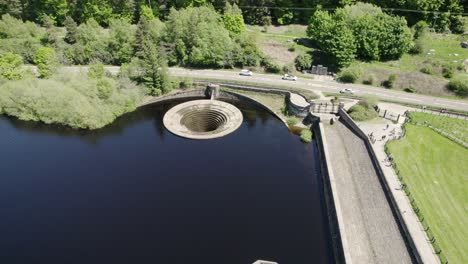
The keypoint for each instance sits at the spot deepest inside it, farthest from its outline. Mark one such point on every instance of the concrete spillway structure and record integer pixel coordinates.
(203, 119)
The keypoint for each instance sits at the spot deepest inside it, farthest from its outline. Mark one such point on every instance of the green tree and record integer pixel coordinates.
(395, 37)
(320, 23)
(46, 61)
(340, 45)
(147, 13)
(11, 66)
(197, 37)
(233, 20)
(121, 41)
(72, 30)
(303, 62)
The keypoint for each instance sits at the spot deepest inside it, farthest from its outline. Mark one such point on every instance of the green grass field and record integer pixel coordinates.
(436, 172)
(456, 127)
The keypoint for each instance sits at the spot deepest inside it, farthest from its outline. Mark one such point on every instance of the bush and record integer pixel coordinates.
(361, 113)
(417, 47)
(73, 100)
(11, 66)
(46, 61)
(410, 89)
(292, 120)
(391, 81)
(271, 67)
(349, 75)
(369, 101)
(96, 71)
(288, 68)
(448, 70)
(306, 136)
(370, 79)
(292, 48)
(426, 69)
(303, 62)
(420, 29)
(459, 85)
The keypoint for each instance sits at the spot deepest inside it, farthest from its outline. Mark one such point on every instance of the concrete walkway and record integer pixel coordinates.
(370, 230)
(379, 129)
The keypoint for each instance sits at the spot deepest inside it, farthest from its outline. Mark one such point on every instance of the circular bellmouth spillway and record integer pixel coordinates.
(203, 119)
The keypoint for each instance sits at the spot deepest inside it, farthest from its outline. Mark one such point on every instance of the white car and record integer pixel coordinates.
(347, 91)
(289, 77)
(245, 73)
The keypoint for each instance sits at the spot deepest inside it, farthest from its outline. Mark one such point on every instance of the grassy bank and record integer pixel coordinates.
(434, 168)
(275, 102)
(454, 126)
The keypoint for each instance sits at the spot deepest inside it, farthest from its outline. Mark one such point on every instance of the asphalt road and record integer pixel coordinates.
(311, 84)
(327, 86)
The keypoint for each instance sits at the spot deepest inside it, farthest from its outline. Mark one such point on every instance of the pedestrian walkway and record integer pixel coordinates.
(390, 130)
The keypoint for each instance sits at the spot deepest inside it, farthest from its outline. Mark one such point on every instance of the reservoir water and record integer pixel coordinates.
(134, 193)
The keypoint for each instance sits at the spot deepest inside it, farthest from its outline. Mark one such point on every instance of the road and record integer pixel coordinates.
(310, 84)
(327, 86)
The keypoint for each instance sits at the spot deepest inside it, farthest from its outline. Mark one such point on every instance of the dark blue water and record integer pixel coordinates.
(134, 193)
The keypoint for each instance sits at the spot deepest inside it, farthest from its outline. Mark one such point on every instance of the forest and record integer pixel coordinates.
(443, 15)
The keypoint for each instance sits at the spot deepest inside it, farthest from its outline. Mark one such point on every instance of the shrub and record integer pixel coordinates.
(272, 67)
(46, 61)
(303, 62)
(105, 88)
(459, 85)
(349, 75)
(288, 68)
(96, 71)
(369, 80)
(11, 66)
(391, 81)
(306, 136)
(448, 70)
(420, 29)
(361, 113)
(426, 69)
(410, 89)
(292, 48)
(417, 47)
(292, 120)
(369, 101)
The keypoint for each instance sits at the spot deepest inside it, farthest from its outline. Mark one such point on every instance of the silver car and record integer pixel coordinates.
(245, 73)
(289, 77)
(347, 91)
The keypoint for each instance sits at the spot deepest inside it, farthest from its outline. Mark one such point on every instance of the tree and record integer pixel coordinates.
(121, 41)
(197, 37)
(72, 30)
(395, 37)
(46, 61)
(233, 20)
(303, 62)
(340, 45)
(11, 66)
(146, 12)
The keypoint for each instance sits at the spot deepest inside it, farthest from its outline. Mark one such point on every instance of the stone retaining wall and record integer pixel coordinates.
(332, 201)
(393, 205)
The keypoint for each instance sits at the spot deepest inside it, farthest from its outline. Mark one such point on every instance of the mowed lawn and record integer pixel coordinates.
(436, 172)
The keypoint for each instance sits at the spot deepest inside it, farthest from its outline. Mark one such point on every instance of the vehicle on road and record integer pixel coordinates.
(347, 91)
(289, 77)
(245, 73)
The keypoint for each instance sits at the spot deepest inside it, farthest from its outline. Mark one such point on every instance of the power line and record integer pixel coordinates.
(330, 9)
